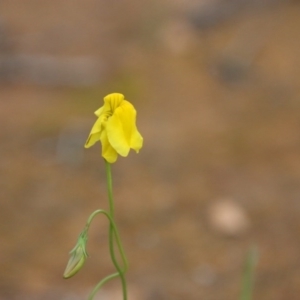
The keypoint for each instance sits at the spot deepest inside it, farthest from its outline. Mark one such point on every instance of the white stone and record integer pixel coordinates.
(228, 217)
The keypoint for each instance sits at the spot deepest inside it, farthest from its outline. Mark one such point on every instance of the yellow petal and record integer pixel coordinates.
(94, 134)
(114, 100)
(118, 129)
(136, 140)
(130, 129)
(129, 136)
(108, 152)
(99, 111)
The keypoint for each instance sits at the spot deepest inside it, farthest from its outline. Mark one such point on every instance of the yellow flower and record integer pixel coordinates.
(115, 128)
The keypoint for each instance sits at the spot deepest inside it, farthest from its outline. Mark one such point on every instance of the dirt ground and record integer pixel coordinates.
(218, 107)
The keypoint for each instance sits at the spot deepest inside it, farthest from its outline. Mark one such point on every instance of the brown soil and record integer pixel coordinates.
(220, 119)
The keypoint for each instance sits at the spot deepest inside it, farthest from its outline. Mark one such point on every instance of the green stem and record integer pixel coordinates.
(111, 231)
(248, 276)
(117, 236)
(101, 283)
(109, 189)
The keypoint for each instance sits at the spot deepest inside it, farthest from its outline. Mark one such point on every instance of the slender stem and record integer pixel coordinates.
(101, 283)
(248, 276)
(111, 231)
(117, 236)
(109, 189)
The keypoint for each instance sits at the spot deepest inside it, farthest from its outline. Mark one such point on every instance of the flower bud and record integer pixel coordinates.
(77, 259)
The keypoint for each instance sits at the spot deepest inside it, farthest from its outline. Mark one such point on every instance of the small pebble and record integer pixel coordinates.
(228, 218)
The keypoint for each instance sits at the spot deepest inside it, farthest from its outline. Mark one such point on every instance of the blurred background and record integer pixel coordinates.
(216, 86)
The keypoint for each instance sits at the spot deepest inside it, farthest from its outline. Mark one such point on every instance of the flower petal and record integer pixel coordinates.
(94, 134)
(99, 111)
(114, 100)
(117, 131)
(126, 114)
(136, 140)
(108, 152)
